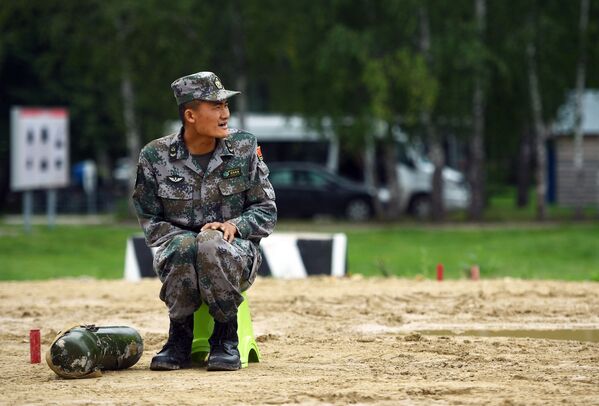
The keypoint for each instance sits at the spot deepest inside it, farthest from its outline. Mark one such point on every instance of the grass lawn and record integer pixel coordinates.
(552, 252)
(95, 251)
(569, 252)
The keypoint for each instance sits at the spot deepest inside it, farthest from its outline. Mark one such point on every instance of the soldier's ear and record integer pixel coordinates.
(189, 116)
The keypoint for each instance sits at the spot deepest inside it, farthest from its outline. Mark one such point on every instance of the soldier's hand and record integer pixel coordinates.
(229, 230)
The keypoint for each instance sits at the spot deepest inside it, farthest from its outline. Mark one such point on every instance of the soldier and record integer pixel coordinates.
(203, 197)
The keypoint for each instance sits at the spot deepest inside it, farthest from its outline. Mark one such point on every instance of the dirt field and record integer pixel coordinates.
(324, 341)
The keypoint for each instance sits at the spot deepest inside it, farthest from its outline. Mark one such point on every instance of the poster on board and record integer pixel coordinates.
(39, 148)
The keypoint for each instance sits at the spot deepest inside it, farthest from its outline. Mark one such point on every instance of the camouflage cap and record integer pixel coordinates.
(200, 86)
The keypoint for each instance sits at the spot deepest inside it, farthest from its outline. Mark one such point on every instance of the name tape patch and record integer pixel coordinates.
(231, 173)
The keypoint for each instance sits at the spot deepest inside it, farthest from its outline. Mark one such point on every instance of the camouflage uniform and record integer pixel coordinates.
(174, 198)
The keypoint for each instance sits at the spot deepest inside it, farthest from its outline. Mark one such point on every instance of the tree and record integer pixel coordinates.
(550, 64)
(539, 124)
(400, 86)
(510, 117)
(578, 112)
(362, 65)
(360, 70)
(477, 143)
(438, 158)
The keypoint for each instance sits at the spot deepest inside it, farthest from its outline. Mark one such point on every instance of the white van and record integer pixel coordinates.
(415, 173)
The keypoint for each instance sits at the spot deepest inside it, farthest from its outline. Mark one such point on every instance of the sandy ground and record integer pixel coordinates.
(324, 341)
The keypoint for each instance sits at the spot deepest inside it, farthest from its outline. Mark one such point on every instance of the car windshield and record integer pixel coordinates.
(311, 178)
(282, 177)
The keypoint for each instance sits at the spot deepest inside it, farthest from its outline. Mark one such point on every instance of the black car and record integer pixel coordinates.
(306, 189)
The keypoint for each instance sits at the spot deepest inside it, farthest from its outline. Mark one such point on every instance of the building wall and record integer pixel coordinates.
(568, 193)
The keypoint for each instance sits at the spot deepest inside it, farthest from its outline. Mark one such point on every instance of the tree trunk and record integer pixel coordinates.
(437, 157)
(131, 127)
(540, 131)
(370, 174)
(238, 46)
(132, 135)
(437, 205)
(578, 112)
(390, 164)
(4, 177)
(477, 143)
(523, 168)
(104, 165)
(241, 99)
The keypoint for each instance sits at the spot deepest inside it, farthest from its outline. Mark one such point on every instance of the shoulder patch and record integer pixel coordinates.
(259, 153)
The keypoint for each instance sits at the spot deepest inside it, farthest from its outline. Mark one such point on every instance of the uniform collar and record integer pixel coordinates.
(177, 149)
(224, 149)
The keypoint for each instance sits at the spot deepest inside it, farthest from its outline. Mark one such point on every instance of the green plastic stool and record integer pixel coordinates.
(204, 324)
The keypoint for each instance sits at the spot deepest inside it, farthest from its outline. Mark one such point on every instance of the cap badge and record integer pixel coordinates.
(217, 83)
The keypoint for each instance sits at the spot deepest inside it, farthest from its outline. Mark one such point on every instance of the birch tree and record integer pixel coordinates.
(477, 144)
(437, 156)
(539, 124)
(578, 111)
(128, 94)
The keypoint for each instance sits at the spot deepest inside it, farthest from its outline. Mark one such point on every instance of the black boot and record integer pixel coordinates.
(224, 355)
(176, 353)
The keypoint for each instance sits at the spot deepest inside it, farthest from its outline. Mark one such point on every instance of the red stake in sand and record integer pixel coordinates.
(34, 346)
(475, 273)
(440, 272)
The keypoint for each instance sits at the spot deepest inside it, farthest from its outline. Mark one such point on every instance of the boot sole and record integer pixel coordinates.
(223, 367)
(167, 366)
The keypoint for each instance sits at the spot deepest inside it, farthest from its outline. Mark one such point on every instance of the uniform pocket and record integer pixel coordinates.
(177, 201)
(233, 194)
(233, 186)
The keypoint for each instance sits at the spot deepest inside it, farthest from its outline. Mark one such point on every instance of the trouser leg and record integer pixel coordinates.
(175, 266)
(221, 267)
(204, 268)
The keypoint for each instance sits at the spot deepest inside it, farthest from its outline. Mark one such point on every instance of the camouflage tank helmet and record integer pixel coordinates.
(84, 351)
(200, 86)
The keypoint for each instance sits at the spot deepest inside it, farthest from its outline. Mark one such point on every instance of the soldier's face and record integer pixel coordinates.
(210, 119)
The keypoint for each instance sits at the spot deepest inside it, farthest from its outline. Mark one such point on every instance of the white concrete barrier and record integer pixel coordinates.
(284, 255)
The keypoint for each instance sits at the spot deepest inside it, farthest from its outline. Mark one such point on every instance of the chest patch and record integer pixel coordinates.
(175, 179)
(231, 173)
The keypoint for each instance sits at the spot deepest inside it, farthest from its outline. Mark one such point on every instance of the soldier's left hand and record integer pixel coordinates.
(229, 230)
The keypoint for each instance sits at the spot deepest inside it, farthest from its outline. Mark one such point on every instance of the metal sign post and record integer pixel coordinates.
(51, 207)
(27, 210)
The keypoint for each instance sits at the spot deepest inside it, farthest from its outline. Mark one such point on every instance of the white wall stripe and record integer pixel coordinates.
(132, 271)
(283, 256)
(339, 254)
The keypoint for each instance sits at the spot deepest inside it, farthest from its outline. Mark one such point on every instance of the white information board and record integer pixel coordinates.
(39, 148)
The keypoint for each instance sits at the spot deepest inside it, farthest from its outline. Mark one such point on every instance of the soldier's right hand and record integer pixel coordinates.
(229, 230)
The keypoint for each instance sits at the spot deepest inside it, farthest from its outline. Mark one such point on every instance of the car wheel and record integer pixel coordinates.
(421, 206)
(358, 210)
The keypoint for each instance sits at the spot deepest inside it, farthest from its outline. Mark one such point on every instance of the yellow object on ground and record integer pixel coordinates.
(204, 324)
